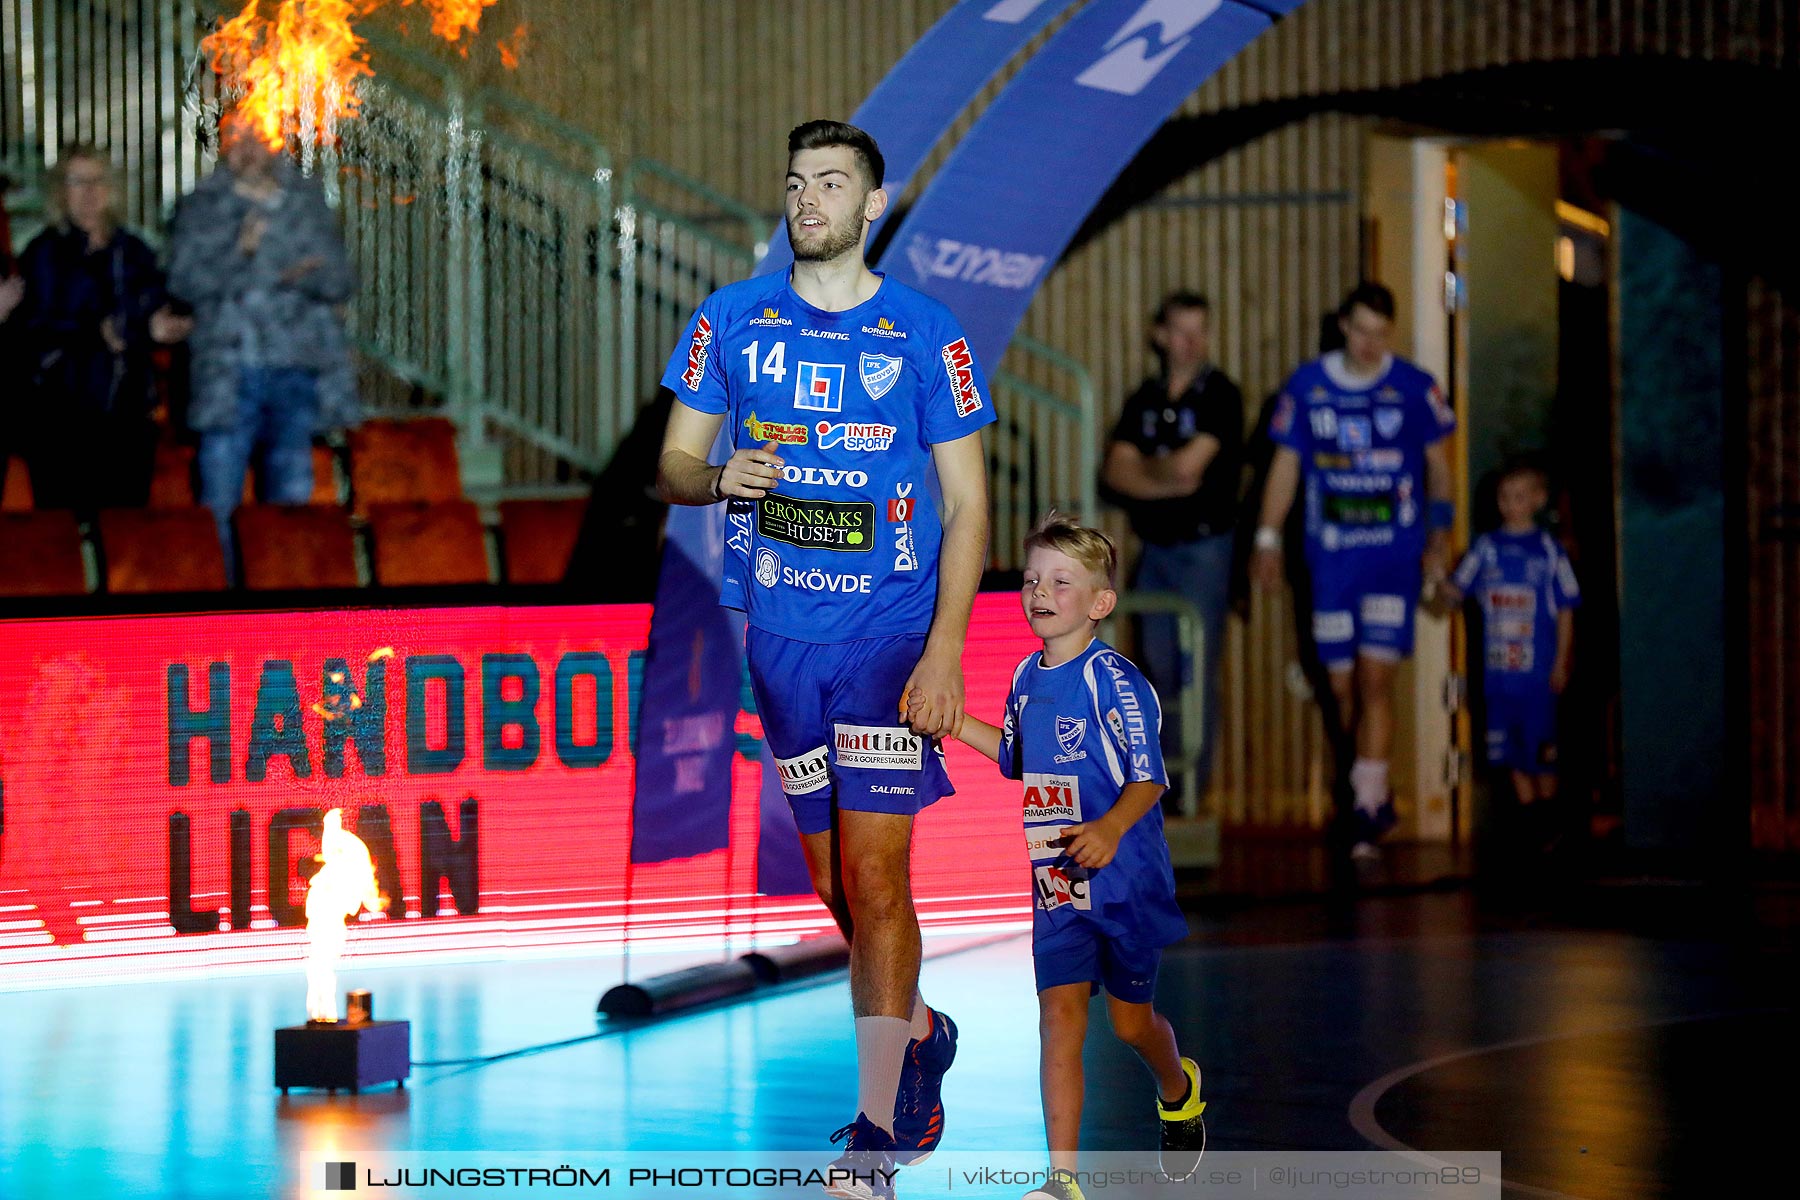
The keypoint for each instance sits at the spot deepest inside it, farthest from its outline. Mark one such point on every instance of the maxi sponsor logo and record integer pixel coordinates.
(1051, 798)
(943, 258)
(843, 526)
(775, 431)
(854, 436)
(696, 364)
(900, 511)
(878, 747)
(959, 365)
(803, 773)
(1143, 46)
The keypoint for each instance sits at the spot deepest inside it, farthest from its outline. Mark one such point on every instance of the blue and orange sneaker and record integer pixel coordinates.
(919, 1105)
(865, 1170)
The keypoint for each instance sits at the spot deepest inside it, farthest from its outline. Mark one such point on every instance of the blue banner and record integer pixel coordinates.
(993, 222)
(911, 108)
(689, 705)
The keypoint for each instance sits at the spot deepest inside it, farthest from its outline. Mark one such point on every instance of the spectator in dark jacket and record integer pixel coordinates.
(94, 302)
(257, 253)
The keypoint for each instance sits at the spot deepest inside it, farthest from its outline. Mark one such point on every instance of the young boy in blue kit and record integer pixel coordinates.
(1527, 592)
(1081, 732)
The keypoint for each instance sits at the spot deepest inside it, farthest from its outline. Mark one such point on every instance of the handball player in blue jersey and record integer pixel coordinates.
(1081, 731)
(1526, 588)
(856, 531)
(1362, 435)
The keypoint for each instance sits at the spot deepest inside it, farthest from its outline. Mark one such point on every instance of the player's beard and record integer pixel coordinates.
(831, 242)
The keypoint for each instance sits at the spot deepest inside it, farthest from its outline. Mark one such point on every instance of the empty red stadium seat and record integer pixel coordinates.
(15, 496)
(172, 476)
(161, 550)
(396, 461)
(428, 543)
(538, 536)
(40, 554)
(296, 546)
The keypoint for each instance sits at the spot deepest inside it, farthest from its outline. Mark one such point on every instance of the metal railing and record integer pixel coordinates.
(514, 277)
(1044, 452)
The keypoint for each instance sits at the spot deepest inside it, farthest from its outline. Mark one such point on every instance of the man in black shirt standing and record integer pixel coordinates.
(1173, 463)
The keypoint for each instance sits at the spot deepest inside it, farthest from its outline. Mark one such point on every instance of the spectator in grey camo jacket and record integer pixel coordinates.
(258, 254)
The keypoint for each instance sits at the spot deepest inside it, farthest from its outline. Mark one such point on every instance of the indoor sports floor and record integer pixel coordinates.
(1602, 1058)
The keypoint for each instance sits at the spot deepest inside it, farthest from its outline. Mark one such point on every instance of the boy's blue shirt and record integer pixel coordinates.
(1076, 734)
(1521, 581)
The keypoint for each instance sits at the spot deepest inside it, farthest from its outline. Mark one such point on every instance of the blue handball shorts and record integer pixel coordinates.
(1363, 603)
(1521, 728)
(830, 712)
(1079, 951)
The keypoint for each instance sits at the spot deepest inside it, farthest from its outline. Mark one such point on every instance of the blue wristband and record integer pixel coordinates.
(1443, 514)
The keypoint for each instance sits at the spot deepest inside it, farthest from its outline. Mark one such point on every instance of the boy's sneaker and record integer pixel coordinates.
(865, 1170)
(919, 1104)
(1060, 1186)
(1367, 829)
(1183, 1132)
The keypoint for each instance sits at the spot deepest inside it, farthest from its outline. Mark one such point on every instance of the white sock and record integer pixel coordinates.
(1369, 780)
(880, 1051)
(921, 1022)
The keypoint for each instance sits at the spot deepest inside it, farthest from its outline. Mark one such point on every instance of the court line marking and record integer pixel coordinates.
(1362, 1105)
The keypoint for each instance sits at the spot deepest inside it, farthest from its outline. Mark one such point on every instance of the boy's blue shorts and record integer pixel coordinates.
(1079, 951)
(1521, 729)
(830, 712)
(1363, 602)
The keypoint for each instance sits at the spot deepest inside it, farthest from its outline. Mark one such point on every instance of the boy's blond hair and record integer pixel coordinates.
(1089, 547)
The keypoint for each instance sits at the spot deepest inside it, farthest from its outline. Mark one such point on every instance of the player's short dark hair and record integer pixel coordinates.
(1524, 465)
(817, 135)
(1370, 295)
(1178, 300)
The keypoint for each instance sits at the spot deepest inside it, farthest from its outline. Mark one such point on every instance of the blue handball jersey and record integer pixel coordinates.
(1362, 452)
(847, 546)
(1522, 581)
(1076, 734)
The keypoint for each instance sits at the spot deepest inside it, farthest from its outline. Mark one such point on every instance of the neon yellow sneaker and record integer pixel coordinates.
(1183, 1130)
(1060, 1186)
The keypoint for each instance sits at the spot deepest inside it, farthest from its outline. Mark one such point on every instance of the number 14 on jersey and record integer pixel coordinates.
(774, 365)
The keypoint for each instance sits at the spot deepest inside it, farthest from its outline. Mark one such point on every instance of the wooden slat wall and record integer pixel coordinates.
(1270, 230)
(1773, 511)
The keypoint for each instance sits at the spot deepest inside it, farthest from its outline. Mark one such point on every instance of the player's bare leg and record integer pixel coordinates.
(875, 852)
(1374, 739)
(1149, 1033)
(1062, 1028)
(826, 868)
(1375, 707)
